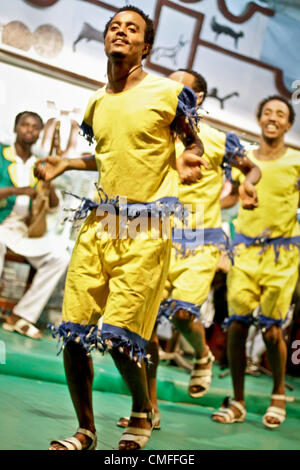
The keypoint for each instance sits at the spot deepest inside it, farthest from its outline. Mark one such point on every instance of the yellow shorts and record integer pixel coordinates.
(120, 280)
(189, 278)
(257, 279)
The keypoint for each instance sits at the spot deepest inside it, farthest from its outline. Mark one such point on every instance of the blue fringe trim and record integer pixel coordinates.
(265, 323)
(246, 319)
(86, 335)
(121, 339)
(261, 321)
(109, 337)
(185, 241)
(169, 307)
(87, 132)
(265, 241)
(81, 212)
(233, 147)
(163, 207)
(186, 106)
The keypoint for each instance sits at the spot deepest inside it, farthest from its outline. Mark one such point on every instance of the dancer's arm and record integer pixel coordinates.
(247, 167)
(247, 190)
(190, 161)
(49, 168)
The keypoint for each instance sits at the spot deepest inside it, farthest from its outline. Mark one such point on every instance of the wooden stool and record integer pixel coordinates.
(7, 304)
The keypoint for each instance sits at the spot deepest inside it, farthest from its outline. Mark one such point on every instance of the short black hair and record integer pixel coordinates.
(200, 83)
(29, 113)
(149, 32)
(260, 106)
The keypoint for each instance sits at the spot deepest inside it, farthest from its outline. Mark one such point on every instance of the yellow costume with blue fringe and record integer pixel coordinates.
(266, 254)
(197, 249)
(121, 278)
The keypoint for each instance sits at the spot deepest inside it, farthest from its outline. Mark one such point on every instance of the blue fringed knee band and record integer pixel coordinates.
(109, 337)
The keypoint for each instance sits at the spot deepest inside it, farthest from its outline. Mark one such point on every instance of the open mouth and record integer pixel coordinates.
(271, 127)
(120, 42)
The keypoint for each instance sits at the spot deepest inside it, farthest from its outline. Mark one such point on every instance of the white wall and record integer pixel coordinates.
(20, 88)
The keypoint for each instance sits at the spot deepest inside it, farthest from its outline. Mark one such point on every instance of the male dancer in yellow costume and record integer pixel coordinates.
(266, 259)
(121, 279)
(196, 254)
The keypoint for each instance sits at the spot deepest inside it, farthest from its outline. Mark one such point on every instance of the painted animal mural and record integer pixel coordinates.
(223, 29)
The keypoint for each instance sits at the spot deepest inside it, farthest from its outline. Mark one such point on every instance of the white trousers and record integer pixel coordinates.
(50, 268)
(255, 345)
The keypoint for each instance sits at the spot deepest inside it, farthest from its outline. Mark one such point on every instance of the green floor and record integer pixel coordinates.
(35, 406)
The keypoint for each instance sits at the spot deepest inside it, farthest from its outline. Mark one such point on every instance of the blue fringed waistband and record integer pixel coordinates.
(265, 242)
(187, 240)
(163, 207)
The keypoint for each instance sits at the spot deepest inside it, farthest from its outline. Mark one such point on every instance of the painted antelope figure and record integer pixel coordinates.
(223, 29)
(170, 52)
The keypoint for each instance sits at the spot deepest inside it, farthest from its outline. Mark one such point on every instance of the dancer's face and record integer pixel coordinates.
(274, 119)
(125, 37)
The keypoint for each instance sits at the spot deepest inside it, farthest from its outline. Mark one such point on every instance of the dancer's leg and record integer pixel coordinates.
(236, 352)
(277, 357)
(136, 380)
(194, 332)
(151, 370)
(79, 374)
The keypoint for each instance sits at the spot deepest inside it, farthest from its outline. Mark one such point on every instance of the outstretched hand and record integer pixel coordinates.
(248, 195)
(189, 167)
(49, 168)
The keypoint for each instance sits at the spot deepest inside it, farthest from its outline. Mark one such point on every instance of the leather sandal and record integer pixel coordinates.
(201, 377)
(227, 414)
(140, 436)
(31, 331)
(72, 443)
(276, 412)
(123, 422)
